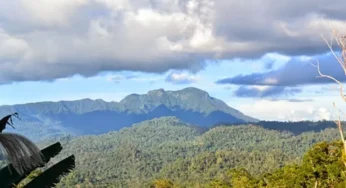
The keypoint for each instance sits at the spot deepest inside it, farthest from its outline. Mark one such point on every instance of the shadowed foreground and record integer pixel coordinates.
(24, 158)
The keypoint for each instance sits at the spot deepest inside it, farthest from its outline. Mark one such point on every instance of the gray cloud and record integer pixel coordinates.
(295, 72)
(264, 92)
(45, 41)
(290, 28)
(293, 100)
(118, 77)
(269, 64)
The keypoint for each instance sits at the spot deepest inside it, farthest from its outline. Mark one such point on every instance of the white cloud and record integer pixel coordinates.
(260, 88)
(116, 4)
(49, 13)
(11, 46)
(319, 109)
(136, 78)
(116, 78)
(68, 37)
(271, 81)
(182, 78)
(322, 113)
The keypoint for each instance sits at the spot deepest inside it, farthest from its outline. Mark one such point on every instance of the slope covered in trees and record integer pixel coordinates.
(168, 150)
(296, 127)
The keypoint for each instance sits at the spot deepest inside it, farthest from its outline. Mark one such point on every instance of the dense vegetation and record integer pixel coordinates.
(166, 151)
(296, 127)
(322, 166)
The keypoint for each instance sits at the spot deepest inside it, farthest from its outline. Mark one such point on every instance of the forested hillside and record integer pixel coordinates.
(168, 150)
(296, 127)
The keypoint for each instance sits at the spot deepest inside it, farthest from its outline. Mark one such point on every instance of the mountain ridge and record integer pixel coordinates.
(150, 96)
(87, 116)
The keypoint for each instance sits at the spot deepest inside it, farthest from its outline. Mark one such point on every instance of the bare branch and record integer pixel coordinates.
(340, 40)
(338, 123)
(336, 57)
(330, 77)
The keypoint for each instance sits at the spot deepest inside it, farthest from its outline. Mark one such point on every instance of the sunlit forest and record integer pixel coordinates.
(166, 152)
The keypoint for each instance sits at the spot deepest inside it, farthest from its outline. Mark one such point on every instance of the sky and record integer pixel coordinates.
(254, 55)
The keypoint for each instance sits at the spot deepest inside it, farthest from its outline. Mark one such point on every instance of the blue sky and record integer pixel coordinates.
(258, 63)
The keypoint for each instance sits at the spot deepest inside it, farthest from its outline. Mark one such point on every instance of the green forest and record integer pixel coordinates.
(166, 152)
(172, 94)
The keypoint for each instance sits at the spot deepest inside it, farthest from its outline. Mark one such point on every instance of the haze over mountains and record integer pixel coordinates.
(86, 116)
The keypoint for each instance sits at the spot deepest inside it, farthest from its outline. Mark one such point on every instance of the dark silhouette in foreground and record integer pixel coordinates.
(24, 157)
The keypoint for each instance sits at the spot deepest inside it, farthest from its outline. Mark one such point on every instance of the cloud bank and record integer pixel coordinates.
(296, 72)
(54, 39)
(265, 91)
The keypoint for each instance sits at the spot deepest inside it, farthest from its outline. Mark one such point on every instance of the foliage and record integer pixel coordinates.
(162, 183)
(167, 149)
(321, 165)
(24, 159)
(295, 127)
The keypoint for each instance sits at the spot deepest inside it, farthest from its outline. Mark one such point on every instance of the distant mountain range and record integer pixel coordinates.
(86, 116)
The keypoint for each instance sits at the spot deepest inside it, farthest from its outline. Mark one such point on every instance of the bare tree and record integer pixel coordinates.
(341, 59)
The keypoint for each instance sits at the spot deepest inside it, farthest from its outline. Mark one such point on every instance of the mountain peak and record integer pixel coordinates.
(86, 116)
(156, 92)
(194, 90)
(191, 93)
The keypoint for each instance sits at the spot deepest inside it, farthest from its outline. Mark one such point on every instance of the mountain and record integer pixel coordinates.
(86, 116)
